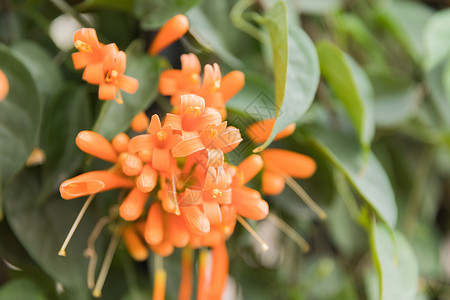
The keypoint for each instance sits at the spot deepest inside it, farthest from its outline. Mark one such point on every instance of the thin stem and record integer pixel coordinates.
(346, 194)
(66, 8)
(90, 250)
(62, 251)
(236, 16)
(304, 196)
(97, 292)
(289, 231)
(250, 230)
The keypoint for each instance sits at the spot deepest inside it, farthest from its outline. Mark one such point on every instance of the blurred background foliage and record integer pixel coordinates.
(378, 128)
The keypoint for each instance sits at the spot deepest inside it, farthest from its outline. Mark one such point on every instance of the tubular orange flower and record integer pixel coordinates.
(260, 131)
(110, 78)
(120, 142)
(272, 183)
(231, 84)
(160, 140)
(140, 122)
(133, 205)
(134, 244)
(147, 179)
(291, 163)
(195, 219)
(92, 183)
(177, 233)
(174, 29)
(4, 86)
(185, 290)
(94, 144)
(219, 272)
(154, 227)
(165, 248)
(132, 165)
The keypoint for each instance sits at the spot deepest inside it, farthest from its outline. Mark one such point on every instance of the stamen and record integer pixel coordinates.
(289, 231)
(304, 196)
(97, 292)
(212, 132)
(62, 251)
(216, 193)
(119, 98)
(174, 191)
(196, 110)
(82, 46)
(161, 135)
(90, 250)
(250, 230)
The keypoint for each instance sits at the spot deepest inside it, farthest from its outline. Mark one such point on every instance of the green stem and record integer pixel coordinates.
(66, 8)
(346, 194)
(236, 16)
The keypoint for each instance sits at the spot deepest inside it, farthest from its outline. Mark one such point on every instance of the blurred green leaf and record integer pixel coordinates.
(371, 182)
(203, 27)
(20, 117)
(120, 5)
(436, 38)
(154, 14)
(351, 86)
(21, 289)
(66, 114)
(319, 7)
(42, 228)
(396, 264)
(441, 101)
(406, 20)
(39, 63)
(115, 118)
(296, 70)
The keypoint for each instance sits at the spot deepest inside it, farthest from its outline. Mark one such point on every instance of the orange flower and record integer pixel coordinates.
(140, 122)
(4, 86)
(278, 163)
(110, 78)
(174, 29)
(134, 244)
(160, 141)
(260, 131)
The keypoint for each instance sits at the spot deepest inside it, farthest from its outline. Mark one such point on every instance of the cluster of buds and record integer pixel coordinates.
(180, 192)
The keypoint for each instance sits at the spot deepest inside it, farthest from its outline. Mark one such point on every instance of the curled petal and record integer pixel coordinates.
(87, 36)
(107, 91)
(94, 144)
(187, 147)
(132, 165)
(174, 121)
(146, 181)
(139, 143)
(249, 204)
(190, 102)
(133, 205)
(229, 140)
(209, 116)
(191, 197)
(195, 220)
(272, 183)
(291, 163)
(212, 212)
(94, 73)
(91, 183)
(127, 84)
(134, 244)
(154, 227)
(249, 167)
(174, 29)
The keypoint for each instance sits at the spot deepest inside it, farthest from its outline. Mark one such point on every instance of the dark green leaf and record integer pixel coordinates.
(154, 14)
(351, 86)
(396, 264)
(115, 118)
(437, 39)
(296, 70)
(21, 289)
(42, 229)
(120, 5)
(20, 117)
(66, 114)
(40, 65)
(372, 182)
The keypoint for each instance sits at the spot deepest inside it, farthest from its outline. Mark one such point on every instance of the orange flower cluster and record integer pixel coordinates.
(177, 168)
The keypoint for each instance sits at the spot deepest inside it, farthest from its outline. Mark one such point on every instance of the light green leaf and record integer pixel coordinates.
(351, 86)
(372, 182)
(20, 289)
(436, 81)
(406, 20)
(66, 114)
(206, 32)
(115, 118)
(20, 117)
(42, 228)
(296, 70)
(319, 7)
(39, 63)
(154, 14)
(396, 264)
(436, 38)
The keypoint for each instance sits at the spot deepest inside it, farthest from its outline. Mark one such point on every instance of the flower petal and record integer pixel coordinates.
(249, 204)
(187, 147)
(95, 144)
(133, 205)
(293, 164)
(139, 143)
(195, 220)
(171, 31)
(272, 183)
(249, 167)
(177, 233)
(127, 84)
(146, 181)
(154, 227)
(231, 84)
(107, 92)
(161, 159)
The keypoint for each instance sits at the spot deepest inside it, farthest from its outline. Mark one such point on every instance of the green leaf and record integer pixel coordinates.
(115, 118)
(20, 117)
(66, 114)
(206, 32)
(436, 81)
(154, 14)
(436, 38)
(120, 5)
(406, 20)
(351, 86)
(40, 65)
(396, 264)
(20, 289)
(42, 229)
(372, 182)
(296, 70)
(319, 7)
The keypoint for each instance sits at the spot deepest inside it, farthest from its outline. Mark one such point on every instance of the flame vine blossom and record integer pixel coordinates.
(177, 189)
